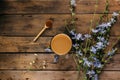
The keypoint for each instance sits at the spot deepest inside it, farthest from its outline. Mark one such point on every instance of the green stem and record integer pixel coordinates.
(112, 47)
(105, 13)
(93, 19)
(78, 66)
(86, 45)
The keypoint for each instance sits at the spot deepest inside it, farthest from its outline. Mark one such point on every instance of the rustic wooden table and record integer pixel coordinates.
(20, 22)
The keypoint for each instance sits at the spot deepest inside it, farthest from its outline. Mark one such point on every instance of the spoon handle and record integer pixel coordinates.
(34, 40)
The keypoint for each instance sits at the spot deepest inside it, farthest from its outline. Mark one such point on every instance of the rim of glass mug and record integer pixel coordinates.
(61, 48)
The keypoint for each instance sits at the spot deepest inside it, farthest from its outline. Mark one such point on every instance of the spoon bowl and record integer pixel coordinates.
(48, 24)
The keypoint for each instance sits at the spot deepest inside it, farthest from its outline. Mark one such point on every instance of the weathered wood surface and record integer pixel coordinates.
(24, 44)
(30, 25)
(20, 22)
(53, 75)
(54, 6)
(22, 62)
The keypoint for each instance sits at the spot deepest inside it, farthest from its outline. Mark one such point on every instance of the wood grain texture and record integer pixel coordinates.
(54, 6)
(22, 62)
(30, 25)
(38, 75)
(24, 44)
(21, 21)
(52, 75)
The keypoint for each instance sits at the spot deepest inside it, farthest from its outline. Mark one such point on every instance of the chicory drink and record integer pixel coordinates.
(61, 44)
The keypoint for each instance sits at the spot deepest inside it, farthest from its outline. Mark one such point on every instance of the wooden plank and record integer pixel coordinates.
(16, 25)
(110, 75)
(24, 44)
(53, 75)
(33, 6)
(22, 62)
(54, 6)
(38, 75)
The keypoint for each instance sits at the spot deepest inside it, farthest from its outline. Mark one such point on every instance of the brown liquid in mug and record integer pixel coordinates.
(61, 44)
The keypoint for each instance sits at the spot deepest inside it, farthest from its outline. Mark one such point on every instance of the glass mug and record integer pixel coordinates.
(61, 44)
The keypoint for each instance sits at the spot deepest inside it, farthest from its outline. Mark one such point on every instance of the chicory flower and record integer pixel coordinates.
(79, 52)
(91, 73)
(48, 50)
(93, 49)
(79, 36)
(100, 45)
(73, 2)
(86, 62)
(87, 36)
(110, 53)
(112, 20)
(75, 45)
(97, 64)
(95, 31)
(101, 39)
(72, 32)
(115, 14)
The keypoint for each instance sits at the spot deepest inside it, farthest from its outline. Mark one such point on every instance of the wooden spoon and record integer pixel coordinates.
(48, 24)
